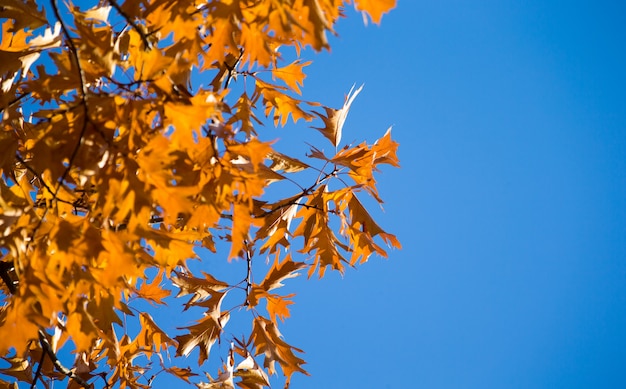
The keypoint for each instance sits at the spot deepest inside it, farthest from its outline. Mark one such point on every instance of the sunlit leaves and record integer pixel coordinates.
(151, 336)
(153, 291)
(280, 104)
(132, 138)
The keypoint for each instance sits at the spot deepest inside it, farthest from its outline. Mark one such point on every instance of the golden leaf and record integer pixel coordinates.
(286, 163)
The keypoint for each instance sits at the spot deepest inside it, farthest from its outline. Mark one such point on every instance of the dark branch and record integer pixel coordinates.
(47, 348)
(249, 274)
(135, 26)
(14, 101)
(6, 269)
(40, 179)
(38, 372)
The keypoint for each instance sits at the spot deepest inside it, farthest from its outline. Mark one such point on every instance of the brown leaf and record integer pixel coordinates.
(334, 119)
(251, 374)
(182, 373)
(281, 271)
(199, 287)
(268, 341)
(25, 13)
(285, 163)
(206, 331)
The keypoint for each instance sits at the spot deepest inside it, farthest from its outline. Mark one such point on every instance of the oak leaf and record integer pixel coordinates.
(268, 341)
(151, 337)
(153, 291)
(334, 119)
(292, 74)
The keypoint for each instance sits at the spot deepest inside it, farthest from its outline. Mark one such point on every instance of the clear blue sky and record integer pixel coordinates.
(510, 204)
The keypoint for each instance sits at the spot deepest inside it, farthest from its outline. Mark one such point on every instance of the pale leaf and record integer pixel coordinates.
(335, 118)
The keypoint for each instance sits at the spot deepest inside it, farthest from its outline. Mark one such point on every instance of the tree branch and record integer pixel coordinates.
(135, 26)
(47, 348)
(38, 372)
(249, 273)
(40, 179)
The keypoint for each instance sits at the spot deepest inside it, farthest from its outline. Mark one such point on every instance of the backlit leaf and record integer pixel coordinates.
(334, 119)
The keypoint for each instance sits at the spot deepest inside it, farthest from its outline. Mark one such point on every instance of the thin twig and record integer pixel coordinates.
(15, 100)
(45, 345)
(135, 26)
(231, 69)
(40, 179)
(249, 273)
(38, 372)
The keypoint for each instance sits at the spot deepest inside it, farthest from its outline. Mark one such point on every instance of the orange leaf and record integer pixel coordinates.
(153, 291)
(281, 104)
(375, 8)
(292, 74)
(151, 336)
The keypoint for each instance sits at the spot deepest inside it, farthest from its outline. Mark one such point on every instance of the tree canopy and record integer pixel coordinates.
(132, 142)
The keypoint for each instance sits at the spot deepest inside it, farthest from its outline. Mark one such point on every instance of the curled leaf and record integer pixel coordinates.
(334, 119)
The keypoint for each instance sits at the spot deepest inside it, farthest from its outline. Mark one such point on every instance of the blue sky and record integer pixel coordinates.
(510, 203)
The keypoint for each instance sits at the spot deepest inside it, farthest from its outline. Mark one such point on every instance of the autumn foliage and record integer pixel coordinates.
(132, 140)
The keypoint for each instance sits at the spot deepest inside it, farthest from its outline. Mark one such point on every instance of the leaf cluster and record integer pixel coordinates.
(118, 166)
